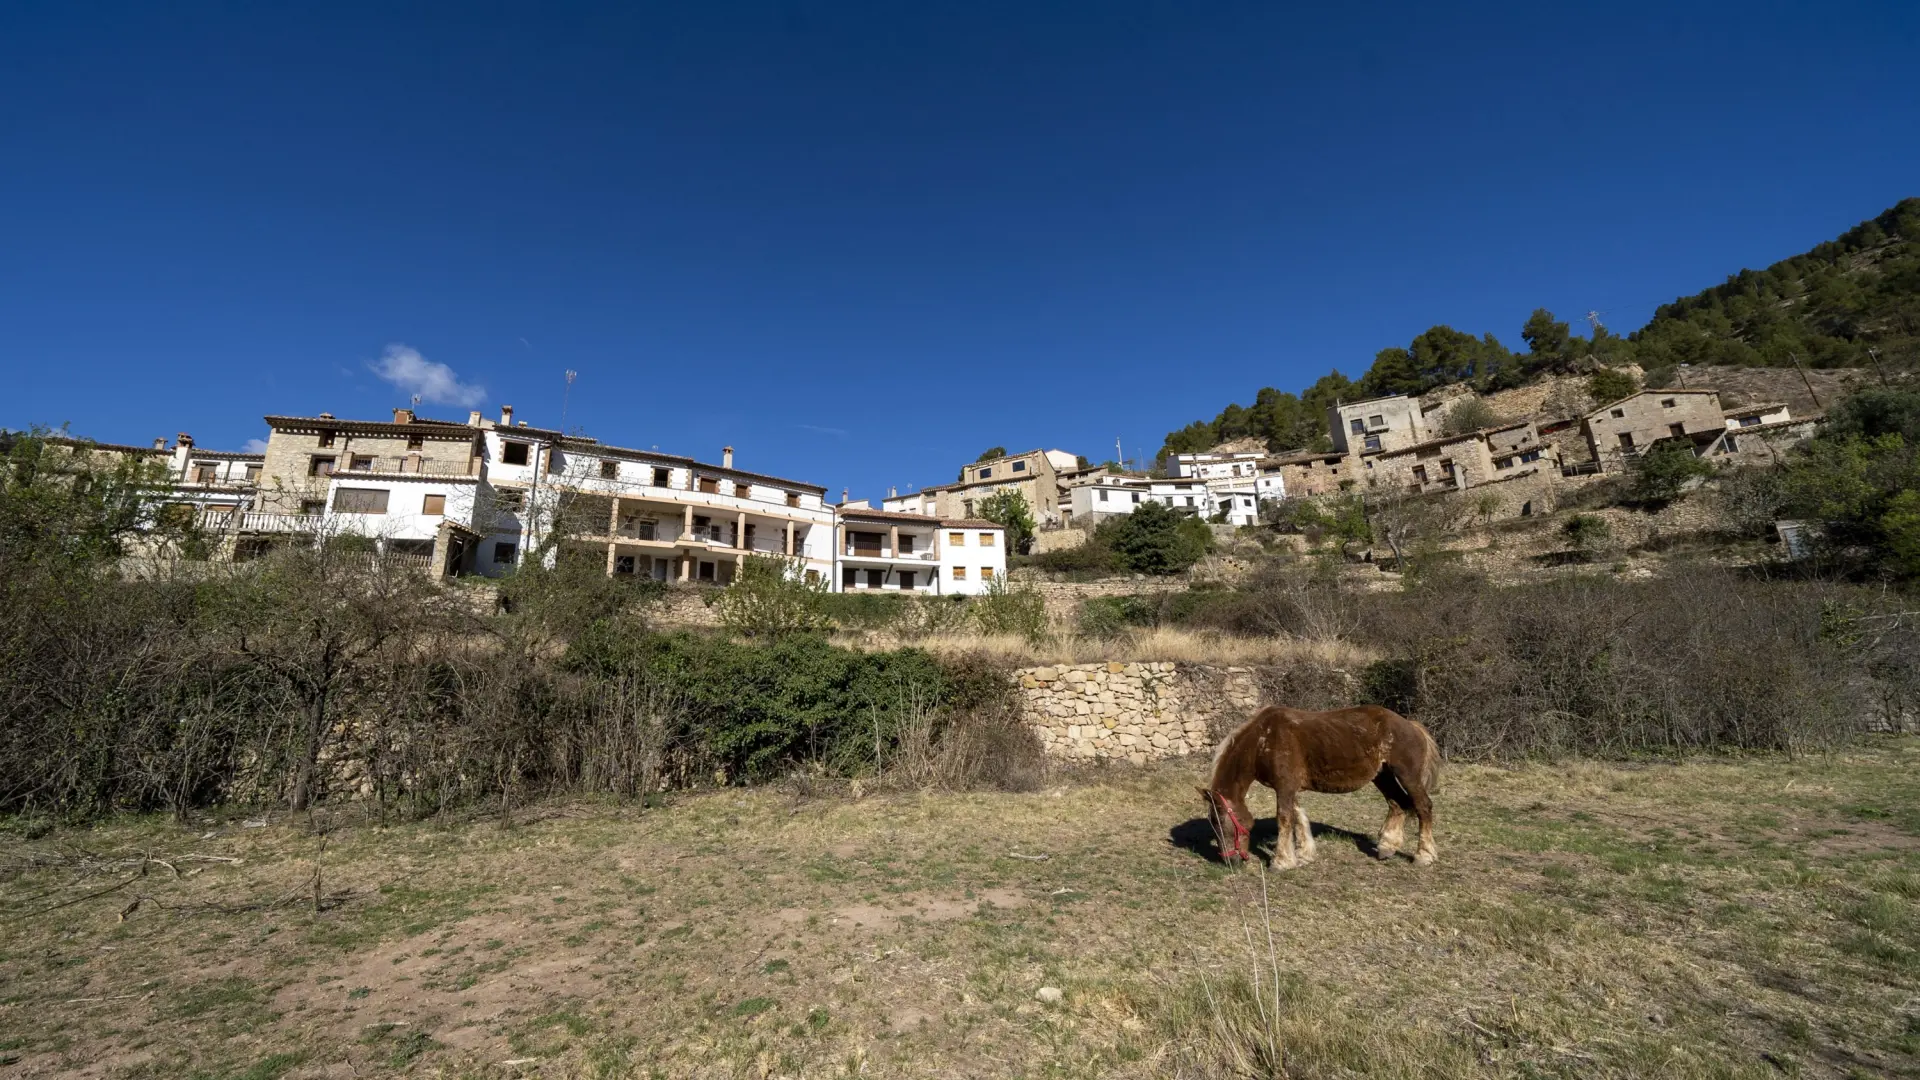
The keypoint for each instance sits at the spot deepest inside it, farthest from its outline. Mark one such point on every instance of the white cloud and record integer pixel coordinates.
(254, 446)
(404, 367)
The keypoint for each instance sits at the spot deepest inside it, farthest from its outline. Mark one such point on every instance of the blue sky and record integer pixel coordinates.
(862, 243)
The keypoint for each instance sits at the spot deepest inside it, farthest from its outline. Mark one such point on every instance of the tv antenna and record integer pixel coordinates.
(565, 395)
(1594, 318)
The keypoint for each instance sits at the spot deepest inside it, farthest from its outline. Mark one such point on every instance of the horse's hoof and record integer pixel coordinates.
(1385, 853)
(1424, 858)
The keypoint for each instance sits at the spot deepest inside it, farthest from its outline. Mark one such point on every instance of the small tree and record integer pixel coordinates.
(1663, 471)
(772, 598)
(1155, 540)
(1609, 384)
(1008, 509)
(1006, 608)
(1587, 533)
(1486, 504)
(1470, 415)
(993, 453)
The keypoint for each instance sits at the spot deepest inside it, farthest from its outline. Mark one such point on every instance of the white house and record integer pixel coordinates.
(919, 553)
(1766, 412)
(1212, 466)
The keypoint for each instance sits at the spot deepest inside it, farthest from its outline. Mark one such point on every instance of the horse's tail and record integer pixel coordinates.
(1430, 771)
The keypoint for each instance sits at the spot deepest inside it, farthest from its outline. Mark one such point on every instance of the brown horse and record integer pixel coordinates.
(1337, 751)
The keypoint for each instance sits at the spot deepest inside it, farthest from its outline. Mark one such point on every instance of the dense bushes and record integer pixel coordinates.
(1151, 540)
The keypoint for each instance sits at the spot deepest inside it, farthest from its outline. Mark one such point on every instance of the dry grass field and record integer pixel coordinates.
(1732, 918)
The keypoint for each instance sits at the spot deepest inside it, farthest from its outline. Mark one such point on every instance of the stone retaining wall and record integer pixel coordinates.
(1136, 712)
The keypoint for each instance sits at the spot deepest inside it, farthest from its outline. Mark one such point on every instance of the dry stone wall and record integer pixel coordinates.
(1136, 712)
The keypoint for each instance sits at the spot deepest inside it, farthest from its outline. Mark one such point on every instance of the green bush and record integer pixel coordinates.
(1660, 474)
(1091, 559)
(1607, 384)
(771, 598)
(1587, 533)
(1155, 540)
(1006, 608)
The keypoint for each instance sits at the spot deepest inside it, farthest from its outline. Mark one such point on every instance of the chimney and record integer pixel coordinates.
(726, 457)
(185, 440)
(893, 492)
(326, 416)
(506, 416)
(403, 416)
(160, 444)
(523, 423)
(473, 418)
(843, 495)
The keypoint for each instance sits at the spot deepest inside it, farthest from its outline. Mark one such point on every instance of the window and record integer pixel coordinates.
(610, 470)
(362, 464)
(504, 553)
(709, 485)
(906, 579)
(415, 442)
(1749, 421)
(1626, 440)
(325, 439)
(1376, 421)
(662, 477)
(1733, 444)
(320, 466)
(849, 577)
(966, 508)
(509, 500)
(813, 577)
(623, 564)
(434, 505)
(876, 579)
(706, 572)
(793, 498)
(348, 500)
(1678, 431)
(742, 490)
(513, 453)
(1668, 403)
(1103, 495)
(986, 573)
(984, 473)
(204, 473)
(1419, 474)
(1618, 412)
(1373, 442)
(957, 539)
(1189, 500)
(313, 507)
(1136, 498)
(986, 539)
(1358, 426)
(1504, 463)
(1019, 466)
(959, 573)
(1531, 455)
(253, 474)
(906, 544)
(864, 543)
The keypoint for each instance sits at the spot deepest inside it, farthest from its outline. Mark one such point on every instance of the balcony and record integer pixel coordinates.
(259, 521)
(853, 552)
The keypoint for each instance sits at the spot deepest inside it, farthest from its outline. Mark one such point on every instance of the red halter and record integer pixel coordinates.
(1240, 848)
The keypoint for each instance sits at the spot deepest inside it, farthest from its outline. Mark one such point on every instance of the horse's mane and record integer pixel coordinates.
(1213, 776)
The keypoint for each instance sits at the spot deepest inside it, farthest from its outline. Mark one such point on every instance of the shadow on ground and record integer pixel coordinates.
(1196, 835)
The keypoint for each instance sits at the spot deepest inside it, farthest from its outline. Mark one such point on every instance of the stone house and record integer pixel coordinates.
(1311, 472)
(1035, 475)
(1619, 431)
(1385, 423)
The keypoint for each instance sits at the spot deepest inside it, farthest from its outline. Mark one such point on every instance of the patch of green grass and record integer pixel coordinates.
(753, 1006)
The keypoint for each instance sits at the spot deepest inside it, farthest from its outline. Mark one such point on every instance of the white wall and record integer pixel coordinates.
(405, 518)
(973, 556)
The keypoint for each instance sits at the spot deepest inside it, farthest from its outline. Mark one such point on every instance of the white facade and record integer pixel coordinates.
(888, 551)
(402, 511)
(1756, 415)
(1241, 497)
(1387, 423)
(1211, 466)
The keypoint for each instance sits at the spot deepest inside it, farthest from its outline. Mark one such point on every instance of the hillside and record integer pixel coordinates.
(1827, 307)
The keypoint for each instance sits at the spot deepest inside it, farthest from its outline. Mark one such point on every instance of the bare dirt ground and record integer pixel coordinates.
(1711, 918)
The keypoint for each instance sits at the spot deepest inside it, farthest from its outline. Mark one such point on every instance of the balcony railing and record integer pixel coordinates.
(259, 521)
(888, 553)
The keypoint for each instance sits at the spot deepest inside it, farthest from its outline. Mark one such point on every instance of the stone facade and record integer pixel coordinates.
(1136, 712)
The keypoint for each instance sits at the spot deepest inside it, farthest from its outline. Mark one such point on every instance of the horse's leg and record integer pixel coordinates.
(1398, 803)
(1423, 807)
(1285, 811)
(1303, 834)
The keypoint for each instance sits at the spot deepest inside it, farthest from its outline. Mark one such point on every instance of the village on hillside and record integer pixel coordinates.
(475, 498)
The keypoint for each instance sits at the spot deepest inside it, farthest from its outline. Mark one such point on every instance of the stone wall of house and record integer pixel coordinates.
(1136, 712)
(1058, 540)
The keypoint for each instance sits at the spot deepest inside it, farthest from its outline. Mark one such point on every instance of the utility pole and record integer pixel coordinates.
(1808, 381)
(564, 396)
(1875, 354)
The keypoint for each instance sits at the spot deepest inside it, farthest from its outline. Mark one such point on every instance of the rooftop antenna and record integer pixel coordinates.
(565, 395)
(416, 401)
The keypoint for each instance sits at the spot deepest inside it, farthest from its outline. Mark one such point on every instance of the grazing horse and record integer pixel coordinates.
(1337, 751)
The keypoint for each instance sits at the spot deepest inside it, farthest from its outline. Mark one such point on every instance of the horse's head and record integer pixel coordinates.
(1232, 833)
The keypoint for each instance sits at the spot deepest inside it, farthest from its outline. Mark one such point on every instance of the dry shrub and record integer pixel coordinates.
(1699, 659)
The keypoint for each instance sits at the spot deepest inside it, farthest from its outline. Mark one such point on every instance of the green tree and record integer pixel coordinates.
(1607, 384)
(1155, 540)
(1393, 372)
(1660, 474)
(1587, 533)
(1470, 415)
(1008, 509)
(1546, 337)
(994, 453)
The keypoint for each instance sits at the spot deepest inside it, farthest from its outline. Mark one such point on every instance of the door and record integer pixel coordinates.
(876, 579)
